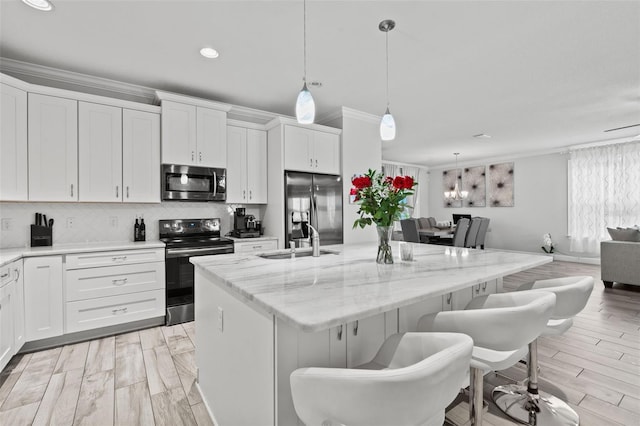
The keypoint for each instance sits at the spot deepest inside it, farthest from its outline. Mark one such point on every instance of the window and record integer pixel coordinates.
(604, 192)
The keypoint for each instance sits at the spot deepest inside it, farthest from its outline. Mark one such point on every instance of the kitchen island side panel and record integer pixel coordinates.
(235, 356)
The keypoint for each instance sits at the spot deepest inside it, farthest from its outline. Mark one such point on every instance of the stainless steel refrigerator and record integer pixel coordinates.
(316, 200)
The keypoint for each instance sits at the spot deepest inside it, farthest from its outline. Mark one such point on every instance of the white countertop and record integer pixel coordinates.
(11, 254)
(316, 293)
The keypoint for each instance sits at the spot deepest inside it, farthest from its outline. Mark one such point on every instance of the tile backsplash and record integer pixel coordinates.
(105, 221)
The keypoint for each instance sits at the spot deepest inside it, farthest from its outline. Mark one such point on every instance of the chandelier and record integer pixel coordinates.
(456, 194)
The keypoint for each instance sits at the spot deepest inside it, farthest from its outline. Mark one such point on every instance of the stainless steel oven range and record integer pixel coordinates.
(185, 238)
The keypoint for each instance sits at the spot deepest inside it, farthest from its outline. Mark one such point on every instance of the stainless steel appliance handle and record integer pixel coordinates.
(198, 251)
(215, 183)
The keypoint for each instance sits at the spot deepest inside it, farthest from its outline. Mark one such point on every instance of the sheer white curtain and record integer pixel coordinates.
(604, 191)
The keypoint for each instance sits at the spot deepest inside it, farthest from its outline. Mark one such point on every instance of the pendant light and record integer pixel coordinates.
(387, 124)
(456, 194)
(305, 107)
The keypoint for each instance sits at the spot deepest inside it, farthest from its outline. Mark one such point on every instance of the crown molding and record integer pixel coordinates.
(349, 113)
(252, 115)
(245, 124)
(14, 82)
(279, 120)
(191, 100)
(72, 80)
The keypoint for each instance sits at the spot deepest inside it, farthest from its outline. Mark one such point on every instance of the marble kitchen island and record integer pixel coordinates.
(258, 319)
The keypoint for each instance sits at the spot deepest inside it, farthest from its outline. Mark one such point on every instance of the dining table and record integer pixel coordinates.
(436, 232)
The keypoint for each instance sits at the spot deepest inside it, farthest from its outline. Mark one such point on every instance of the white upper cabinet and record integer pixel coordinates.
(178, 133)
(193, 135)
(311, 150)
(246, 165)
(13, 144)
(211, 137)
(53, 148)
(99, 152)
(140, 156)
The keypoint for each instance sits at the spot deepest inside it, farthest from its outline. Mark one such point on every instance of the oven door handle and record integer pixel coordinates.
(201, 251)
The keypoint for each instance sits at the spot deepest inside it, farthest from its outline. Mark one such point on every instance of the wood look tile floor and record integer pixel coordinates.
(148, 377)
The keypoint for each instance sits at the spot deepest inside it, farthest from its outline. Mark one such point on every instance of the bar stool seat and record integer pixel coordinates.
(527, 404)
(410, 381)
(501, 325)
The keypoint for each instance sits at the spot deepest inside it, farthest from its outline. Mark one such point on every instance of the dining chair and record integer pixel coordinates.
(472, 233)
(460, 233)
(482, 232)
(410, 230)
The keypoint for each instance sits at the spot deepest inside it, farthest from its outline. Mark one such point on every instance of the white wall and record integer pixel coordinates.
(94, 221)
(540, 205)
(361, 151)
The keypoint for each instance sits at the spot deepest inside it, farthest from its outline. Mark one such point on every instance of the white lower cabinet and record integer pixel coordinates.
(105, 311)
(110, 288)
(7, 290)
(43, 297)
(246, 247)
(19, 337)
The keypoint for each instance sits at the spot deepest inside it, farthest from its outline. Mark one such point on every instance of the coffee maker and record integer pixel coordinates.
(245, 226)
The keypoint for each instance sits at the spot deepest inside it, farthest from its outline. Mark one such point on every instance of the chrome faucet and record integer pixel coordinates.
(315, 242)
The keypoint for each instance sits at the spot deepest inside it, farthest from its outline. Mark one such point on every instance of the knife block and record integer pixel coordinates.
(41, 236)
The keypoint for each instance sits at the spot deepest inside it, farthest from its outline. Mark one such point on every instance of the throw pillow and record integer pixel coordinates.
(622, 234)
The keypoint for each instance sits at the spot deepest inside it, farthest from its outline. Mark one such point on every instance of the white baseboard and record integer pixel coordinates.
(577, 259)
(206, 405)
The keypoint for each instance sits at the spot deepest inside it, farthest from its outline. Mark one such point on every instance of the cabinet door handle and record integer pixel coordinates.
(5, 275)
(72, 190)
(119, 258)
(316, 163)
(117, 192)
(17, 273)
(193, 156)
(478, 289)
(115, 311)
(200, 153)
(250, 194)
(244, 194)
(127, 191)
(120, 281)
(355, 328)
(310, 162)
(484, 286)
(339, 332)
(449, 298)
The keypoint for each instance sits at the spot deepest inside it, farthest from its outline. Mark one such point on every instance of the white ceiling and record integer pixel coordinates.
(535, 75)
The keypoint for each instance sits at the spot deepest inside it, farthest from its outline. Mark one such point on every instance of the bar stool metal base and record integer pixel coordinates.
(540, 410)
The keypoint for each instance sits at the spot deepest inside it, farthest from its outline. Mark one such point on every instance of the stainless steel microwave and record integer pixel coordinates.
(193, 183)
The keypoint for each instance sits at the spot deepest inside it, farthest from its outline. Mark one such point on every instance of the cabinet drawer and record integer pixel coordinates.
(109, 258)
(106, 311)
(114, 280)
(254, 246)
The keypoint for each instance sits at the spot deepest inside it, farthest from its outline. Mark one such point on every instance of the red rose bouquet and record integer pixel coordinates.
(381, 198)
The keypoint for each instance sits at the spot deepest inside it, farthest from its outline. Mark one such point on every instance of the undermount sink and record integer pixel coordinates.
(288, 255)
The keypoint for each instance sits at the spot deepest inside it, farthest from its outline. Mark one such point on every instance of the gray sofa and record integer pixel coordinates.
(620, 262)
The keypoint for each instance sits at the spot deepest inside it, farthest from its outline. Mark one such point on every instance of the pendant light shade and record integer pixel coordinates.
(387, 127)
(305, 106)
(387, 124)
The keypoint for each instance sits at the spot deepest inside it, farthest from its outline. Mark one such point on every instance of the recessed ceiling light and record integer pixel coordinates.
(44, 5)
(482, 136)
(209, 52)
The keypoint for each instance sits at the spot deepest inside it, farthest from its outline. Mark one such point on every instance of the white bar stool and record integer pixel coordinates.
(501, 325)
(527, 404)
(411, 380)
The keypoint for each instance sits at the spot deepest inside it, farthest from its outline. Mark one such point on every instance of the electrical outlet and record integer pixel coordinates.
(220, 319)
(71, 222)
(7, 224)
(113, 221)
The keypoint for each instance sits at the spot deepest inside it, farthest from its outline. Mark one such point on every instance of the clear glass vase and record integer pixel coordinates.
(384, 244)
